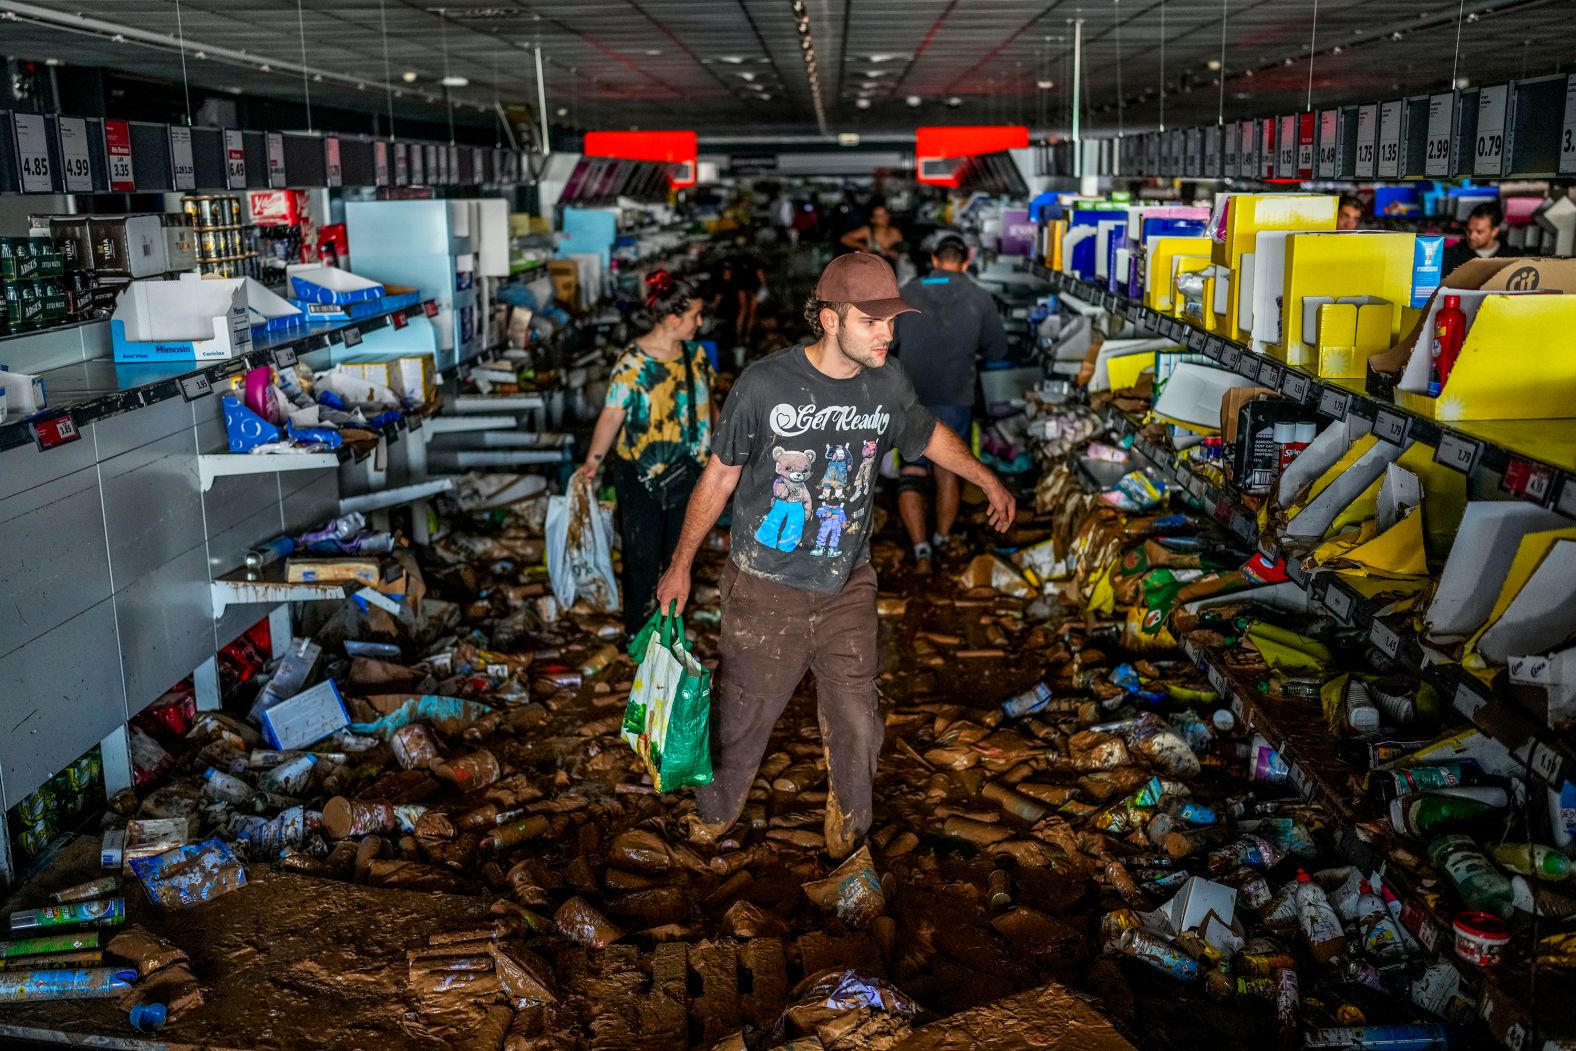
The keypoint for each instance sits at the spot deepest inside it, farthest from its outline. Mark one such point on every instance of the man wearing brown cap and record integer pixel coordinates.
(798, 444)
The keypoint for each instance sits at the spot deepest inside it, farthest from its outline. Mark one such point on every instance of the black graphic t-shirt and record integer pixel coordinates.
(811, 448)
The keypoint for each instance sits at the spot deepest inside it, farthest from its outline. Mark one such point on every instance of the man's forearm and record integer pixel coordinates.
(947, 451)
(710, 496)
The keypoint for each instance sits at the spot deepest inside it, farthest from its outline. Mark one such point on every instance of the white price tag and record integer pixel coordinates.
(1267, 148)
(1367, 140)
(336, 174)
(194, 387)
(1390, 426)
(1286, 151)
(1239, 709)
(1329, 122)
(1388, 165)
(1269, 375)
(1568, 135)
(1468, 701)
(32, 153)
(1565, 504)
(1333, 403)
(1248, 150)
(1441, 124)
(380, 163)
(1217, 681)
(284, 357)
(77, 169)
(1456, 451)
(1338, 602)
(276, 159)
(234, 160)
(183, 171)
(1231, 357)
(1294, 386)
(401, 164)
(1489, 150)
(352, 337)
(1546, 763)
(1385, 639)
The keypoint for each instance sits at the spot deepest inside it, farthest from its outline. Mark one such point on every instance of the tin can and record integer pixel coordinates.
(83, 891)
(1159, 954)
(998, 888)
(35, 839)
(80, 983)
(104, 912)
(414, 747)
(189, 208)
(54, 961)
(37, 806)
(1263, 965)
(87, 773)
(506, 836)
(50, 943)
(209, 242)
(205, 212)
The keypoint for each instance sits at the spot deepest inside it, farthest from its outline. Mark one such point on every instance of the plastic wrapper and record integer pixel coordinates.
(852, 891)
(584, 925)
(190, 875)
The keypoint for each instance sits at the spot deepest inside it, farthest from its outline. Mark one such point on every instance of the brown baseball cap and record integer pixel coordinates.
(866, 281)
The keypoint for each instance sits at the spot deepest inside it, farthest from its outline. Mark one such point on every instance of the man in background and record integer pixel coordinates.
(938, 347)
(1483, 239)
(1350, 214)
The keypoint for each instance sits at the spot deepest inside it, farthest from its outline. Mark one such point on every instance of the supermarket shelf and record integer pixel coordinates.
(221, 465)
(94, 390)
(498, 403)
(1549, 758)
(234, 589)
(1534, 460)
(452, 424)
(386, 498)
(465, 459)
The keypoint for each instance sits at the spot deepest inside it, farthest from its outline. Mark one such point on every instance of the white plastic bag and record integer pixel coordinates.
(580, 549)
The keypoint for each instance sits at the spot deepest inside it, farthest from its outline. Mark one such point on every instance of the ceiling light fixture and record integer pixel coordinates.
(861, 103)
(954, 102)
(409, 76)
(52, 62)
(653, 51)
(1045, 85)
(455, 82)
(563, 112)
(807, 48)
(1213, 64)
(914, 100)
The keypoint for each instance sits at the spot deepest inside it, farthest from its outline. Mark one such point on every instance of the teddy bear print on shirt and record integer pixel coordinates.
(835, 480)
(867, 470)
(783, 526)
(830, 537)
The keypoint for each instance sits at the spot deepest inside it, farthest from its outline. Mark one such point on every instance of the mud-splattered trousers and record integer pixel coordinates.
(771, 635)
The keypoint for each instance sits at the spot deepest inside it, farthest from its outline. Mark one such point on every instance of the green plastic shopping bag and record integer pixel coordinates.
(668, 718)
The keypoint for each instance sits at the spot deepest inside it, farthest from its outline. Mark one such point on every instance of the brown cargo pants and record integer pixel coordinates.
(771, 635)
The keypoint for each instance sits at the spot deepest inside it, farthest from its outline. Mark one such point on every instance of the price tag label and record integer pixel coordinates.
(274, 147)
(1333, 403)
(431, 307)
(1456, 451)
(1286, 152)
(1196, 339)
(1295, 573)
(434, 167)
(1568, 133)
(1329, 122)
(183, 171)
(1546, 763)
(380, 163)
(1214, 348)
(352, 337)
(401, 164)
(1388, 165)
(1531, 481)
(399, 320)
(478, 165)
(1270, 375)
(55, 431)
(196, 386)
(1248, 364)
(1243, 526)
(331, 165)
(1468, 701)
(1294, 386)
(1338, 602)
(284, 357)
(1248, 150)
(1390, 426)
(1367, 140)
(1300, 780)
(1384, 639)
(1267, 148)
(1428, 934)
(1306, 129)
(1239, 709)
(117, 144)
(1217, 681)
(1441, 122)
(1231, 356)
(1489, 151)
(32, 153)
(234, 160)
(77, 169)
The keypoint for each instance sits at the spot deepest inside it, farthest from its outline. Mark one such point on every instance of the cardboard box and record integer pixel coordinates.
(1480, 559)
(566, 280)
(332, 570)
(20, 393)
(329, 284)
(306, 718)
(128, 244)
(181, 320)
(414, 379)
(278, 207)
(1192, 396)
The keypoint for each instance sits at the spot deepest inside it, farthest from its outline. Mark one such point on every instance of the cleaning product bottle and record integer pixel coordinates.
(1321, 927)
(1381, 937)
(1450, 331)
(1533, 859)
(1480, 885)
(1361, 714)
(219, 785)
(1428, 814)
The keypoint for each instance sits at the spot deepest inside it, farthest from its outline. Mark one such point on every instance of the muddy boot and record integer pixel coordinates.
(842, 838)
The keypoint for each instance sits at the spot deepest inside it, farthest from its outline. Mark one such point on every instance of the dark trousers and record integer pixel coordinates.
(771, 635)
(648, 533)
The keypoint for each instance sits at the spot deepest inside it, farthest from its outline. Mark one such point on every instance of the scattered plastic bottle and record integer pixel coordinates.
(1321, 927)
(1428, 814)
(1533, 859)
(1480, 885)
(219, 785)
(1429, 1037)
(1381, 938)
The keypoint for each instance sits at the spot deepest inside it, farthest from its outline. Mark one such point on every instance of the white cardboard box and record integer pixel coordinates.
(181, 320)
(306, 718)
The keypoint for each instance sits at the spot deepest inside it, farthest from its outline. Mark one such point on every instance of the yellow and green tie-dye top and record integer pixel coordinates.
(652, 394)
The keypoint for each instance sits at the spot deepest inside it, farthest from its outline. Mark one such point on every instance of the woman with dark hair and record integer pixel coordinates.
(658, 411)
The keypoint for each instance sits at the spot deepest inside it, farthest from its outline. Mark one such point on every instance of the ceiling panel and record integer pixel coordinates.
(734, 67)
